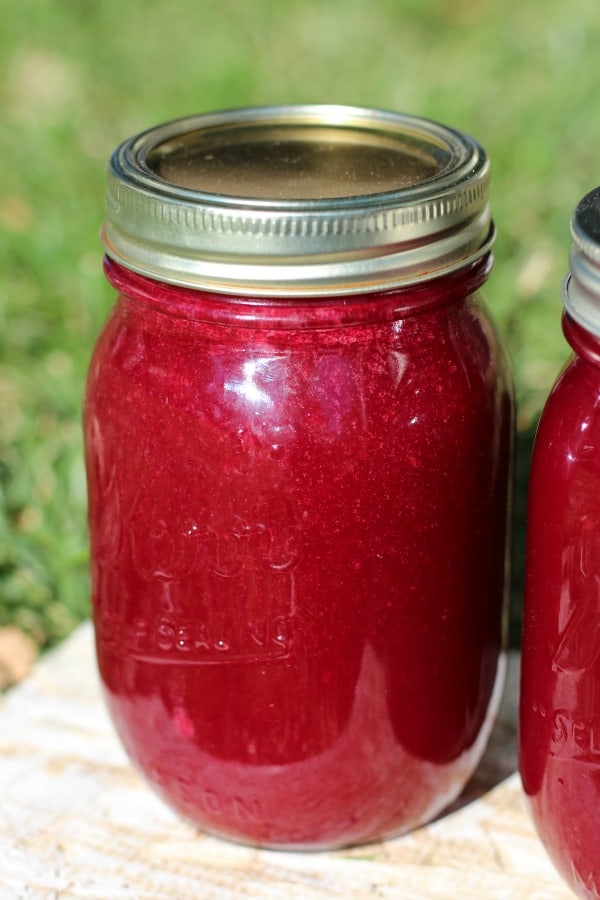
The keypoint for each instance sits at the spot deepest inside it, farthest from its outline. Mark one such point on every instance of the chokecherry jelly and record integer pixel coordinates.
(298, 432)
(560, 690)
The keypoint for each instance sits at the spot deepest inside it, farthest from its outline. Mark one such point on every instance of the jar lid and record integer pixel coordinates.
(581, 288)
(298, 200)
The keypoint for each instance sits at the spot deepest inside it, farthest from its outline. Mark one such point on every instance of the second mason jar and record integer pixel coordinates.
(560, 683)
(298, 430)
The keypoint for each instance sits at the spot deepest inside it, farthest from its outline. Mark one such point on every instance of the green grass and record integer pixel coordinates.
(78, 77)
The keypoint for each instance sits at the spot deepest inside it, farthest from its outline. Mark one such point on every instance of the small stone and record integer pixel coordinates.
(18, 652)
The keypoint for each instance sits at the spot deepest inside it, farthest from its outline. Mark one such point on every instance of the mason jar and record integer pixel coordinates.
(298, 427)
(560, 690)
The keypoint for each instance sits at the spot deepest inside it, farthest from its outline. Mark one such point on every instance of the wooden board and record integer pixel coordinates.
(76, 821)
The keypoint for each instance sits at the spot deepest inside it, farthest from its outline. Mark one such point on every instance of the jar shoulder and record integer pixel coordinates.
(447, 351)
(569, 426)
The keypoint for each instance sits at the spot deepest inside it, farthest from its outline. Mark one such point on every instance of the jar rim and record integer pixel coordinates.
(299, 312)
(298, 200)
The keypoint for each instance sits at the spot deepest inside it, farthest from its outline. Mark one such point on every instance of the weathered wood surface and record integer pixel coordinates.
(77, 822)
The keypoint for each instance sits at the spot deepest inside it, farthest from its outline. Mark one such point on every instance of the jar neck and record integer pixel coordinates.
(299, 312)
(584, 343)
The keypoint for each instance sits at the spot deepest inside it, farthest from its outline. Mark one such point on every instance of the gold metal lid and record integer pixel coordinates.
(298, 200)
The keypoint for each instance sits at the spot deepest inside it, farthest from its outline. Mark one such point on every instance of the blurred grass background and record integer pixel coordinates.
(78, 77)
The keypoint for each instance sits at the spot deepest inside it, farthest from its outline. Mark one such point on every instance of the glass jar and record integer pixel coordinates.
(298, 427)
(560, 689)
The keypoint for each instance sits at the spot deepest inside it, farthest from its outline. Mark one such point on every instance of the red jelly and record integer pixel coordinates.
(560, 698)
(298, 428)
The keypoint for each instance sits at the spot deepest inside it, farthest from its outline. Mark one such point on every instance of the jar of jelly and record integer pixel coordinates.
(560, 690)
(298, 427)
